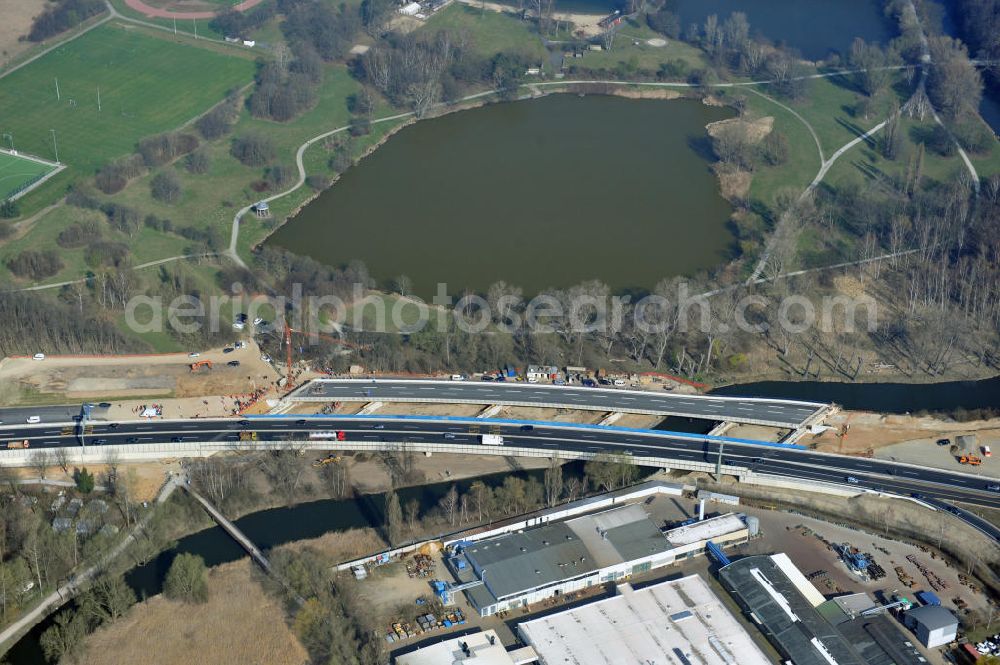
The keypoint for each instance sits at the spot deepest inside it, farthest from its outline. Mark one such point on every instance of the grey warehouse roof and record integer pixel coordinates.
(933, 617)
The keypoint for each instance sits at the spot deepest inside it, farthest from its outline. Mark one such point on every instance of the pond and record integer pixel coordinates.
(812, 27)
(541, 193)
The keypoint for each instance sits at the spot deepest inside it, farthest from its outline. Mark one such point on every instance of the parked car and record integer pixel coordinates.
(943, 442)
(38, 356)
(457, 377)
(233, 363)
(228, 349)
(619, 382)
(193, 354)
(266, 358)
(258, 320)
(589, 383)
(560, 382)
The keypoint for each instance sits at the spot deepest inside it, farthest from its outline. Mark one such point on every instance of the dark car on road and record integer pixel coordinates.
(132, 439)
(175, 439)
(100, 442)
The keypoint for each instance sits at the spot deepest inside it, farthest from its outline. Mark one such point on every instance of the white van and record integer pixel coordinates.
(457, 377)
(38, 356)
(34, 420)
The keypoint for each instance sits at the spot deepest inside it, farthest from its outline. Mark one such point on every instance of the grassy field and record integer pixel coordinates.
(148, 84)
(239, 623)
(491, 32)
(17, 173)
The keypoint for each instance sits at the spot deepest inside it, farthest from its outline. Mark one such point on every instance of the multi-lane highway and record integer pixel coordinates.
(783, 461)
(775, 412)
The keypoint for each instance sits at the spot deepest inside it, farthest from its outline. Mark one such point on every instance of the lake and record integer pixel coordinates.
(813, 27)
(541, 193)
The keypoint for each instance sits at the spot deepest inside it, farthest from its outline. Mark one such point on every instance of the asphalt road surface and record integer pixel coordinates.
(784, 461)
(776, 412)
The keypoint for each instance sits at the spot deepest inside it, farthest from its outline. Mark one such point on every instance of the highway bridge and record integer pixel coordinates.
(751, 410)
(741, 457)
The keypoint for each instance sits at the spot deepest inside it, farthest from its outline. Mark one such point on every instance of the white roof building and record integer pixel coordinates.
(652, 625)
(476, 649)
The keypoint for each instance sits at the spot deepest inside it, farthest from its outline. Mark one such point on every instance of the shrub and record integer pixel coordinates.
(78, 234)
(253, 149)
(35, 264)
(162, 148)
(104, 253)
(166, 187)
(9, 209)
(113, 177)
(197, 162)
(185, 580)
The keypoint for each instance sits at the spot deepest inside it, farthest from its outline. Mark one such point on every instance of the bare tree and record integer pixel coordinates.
(62, 458)
(40, 461)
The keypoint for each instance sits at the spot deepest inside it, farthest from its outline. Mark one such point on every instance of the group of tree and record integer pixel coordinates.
(329, 619)
(152, 152)
(516, 495)
(62, 15)
(107, 600)
(419, 70)
(33, 323)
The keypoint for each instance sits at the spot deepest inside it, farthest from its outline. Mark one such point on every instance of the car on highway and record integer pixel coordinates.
(175, 439)
(851, 480)
(38, 356)
(300, 421)
(527, 428)
(449, 435)
(132, 439)
(379, 426)
(100, 442)
(32, 420)
(993, 488)
(114, 425)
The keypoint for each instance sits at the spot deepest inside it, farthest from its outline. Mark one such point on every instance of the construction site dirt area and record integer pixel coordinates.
(27, 381)
(805, 540)
(145, 480)
(238, 624)
(923, 440)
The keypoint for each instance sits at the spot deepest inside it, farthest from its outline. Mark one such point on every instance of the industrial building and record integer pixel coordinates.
(482, 648)
(516, 569)
(933, 625)
(783, 603)
(808, 629)
(680, 621)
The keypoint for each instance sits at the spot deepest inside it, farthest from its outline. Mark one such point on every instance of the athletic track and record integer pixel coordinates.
(156, 12)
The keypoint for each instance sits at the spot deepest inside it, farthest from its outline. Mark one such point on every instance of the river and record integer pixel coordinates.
(541, 193)
(882, 397)
(269, 528)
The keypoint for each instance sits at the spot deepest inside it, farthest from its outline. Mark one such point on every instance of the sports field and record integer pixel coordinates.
(102, 92)
(18, 173)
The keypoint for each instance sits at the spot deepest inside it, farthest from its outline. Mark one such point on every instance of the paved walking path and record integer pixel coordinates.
(60, 596)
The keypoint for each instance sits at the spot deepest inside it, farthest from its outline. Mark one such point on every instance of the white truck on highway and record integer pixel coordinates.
(491, 440)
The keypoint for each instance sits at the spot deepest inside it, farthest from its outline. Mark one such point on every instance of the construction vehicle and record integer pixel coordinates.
(201, 363)
(248, 436)
(971, 460)
(11, 445)
(329, 459)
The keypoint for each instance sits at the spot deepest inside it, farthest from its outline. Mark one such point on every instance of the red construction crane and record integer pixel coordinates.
(288, 348)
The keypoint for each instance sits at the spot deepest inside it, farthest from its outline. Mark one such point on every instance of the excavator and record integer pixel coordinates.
(201, 363)
(329, 459)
